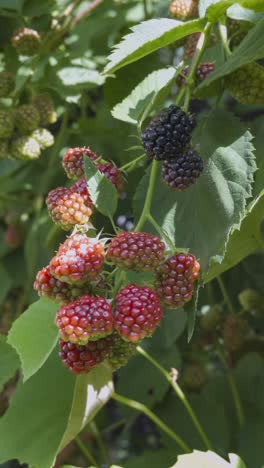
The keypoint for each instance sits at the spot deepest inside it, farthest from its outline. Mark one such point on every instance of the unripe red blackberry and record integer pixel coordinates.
(47, 285)
(121, 351)
(183, 10)
(113, 174)
(81, 359)
(234, 332)
(137, 312)
(182, 172)
(81, 188)
(45, 106)
(26, 41)
(73, 161)
(26, 118)
(67, 208)
(44, 138)
(203, 70)
(175, 279)
(193, 378)
(190, 45)
(6, 124)
(7, 84)
(4, 149)
(87, 318)
(25, 148)
(246, 84)
(79, 259)
(168, 133)
(13, 237)
(139, 251)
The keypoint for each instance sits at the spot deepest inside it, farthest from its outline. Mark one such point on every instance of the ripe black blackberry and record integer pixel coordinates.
(182, 172)
(168, 133)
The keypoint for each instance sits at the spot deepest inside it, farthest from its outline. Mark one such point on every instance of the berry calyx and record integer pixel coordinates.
(168, 133)
(175, 279)
(183, 171)
(246, 84)
(121, 351)
(139, 251)
(79, 259)
(26, 41)
(7, 83)
(81, 359)
(67, 208)
(47, 285)
(73, 161)
(137, 312)
(87, 318)
(27, 118)
(45, 106)
(183, 10)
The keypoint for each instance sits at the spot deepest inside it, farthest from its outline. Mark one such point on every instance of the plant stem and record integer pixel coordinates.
(119, 283)
(180, 96)
(132, 163)
(86, 11)
(100, 442)
(143, 409)
(113, 223)
(234, 390)
(171, 379)
(145, 9)
(223, 36)
(225, 294)
(149, 196)
(89, 457)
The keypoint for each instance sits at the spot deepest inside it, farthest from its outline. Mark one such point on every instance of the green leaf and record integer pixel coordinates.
(91, 392)
(257, 5)
(5, 281)
(250, 49)
(202, 217)
(243, 14)
(148, 37)
(59, 405)
(9, 361)
(34, 335)
(16, 5)
(103, 193)
(242, 242)
(76, 76)
(146, 95)
(207, 460)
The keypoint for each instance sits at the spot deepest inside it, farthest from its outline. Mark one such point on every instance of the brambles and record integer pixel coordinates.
(168, 133)
(87, 318)
(81, 359)
(246, 84)
(182, 172)
(183, 9)
(136, 251)
(26, 41)
(7, 84)
(175, 279)
(137, 312)
(79, 259)
(67, 208)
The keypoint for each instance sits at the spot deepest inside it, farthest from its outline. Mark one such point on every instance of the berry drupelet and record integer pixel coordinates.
(73, 161)
(182, 172)
(67, 208)
(87, 318)
(168, 133)
(175, 279)
(139, 251)
(79, 259)
(81, 359)
(137, 312)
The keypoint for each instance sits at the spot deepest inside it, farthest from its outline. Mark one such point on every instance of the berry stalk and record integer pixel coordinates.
(180, 394)
(150, 192)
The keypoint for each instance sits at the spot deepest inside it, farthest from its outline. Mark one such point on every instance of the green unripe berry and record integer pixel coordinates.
(44, 138)
(7, 83)
(25, 148)
(26, 118)
(6, 124)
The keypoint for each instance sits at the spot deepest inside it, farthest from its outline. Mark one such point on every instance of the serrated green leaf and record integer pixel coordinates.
(34, 335)
(9, 361)
(148, 37)
(103, 193)
(202, 217)
(250, 49)
(91, 392)
(243, 14)
(242, 242)
(146, 95)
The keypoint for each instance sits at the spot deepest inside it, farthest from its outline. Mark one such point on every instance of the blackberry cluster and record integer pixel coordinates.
(168, 133)
(182, 172)
(203, 70)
